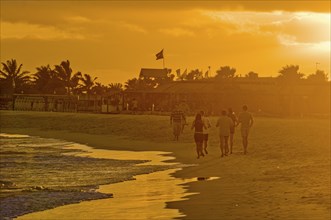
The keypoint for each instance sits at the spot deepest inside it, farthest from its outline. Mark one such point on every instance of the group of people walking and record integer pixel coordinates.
(226, 125)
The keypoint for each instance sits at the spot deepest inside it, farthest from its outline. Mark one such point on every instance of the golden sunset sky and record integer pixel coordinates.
(112, 40)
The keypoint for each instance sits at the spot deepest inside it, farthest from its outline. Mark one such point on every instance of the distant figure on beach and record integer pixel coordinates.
(177, 118)
(198, 127)
(182, 106)
(224, 123)
(207, 124)
(234, 119)
(134, 106)
(246, 120)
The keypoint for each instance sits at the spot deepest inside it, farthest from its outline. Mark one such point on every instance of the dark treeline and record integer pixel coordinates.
(61, 79)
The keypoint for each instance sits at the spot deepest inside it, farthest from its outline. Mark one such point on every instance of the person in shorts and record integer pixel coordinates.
(198, 127)
(234, 119)
(207, 123)
(224, 123)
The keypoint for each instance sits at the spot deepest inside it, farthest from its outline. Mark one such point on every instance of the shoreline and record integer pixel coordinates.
(280, 178)
(58, 173)
(126, 196)
(51, 195)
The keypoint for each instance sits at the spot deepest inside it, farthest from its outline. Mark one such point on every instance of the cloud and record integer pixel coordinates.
(291, 41)
(132, 27)
(177, 32)
(304, 26)
(33, 31)
(78, 19)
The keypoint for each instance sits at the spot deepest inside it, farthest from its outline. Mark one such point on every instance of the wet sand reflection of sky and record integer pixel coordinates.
(143, 198)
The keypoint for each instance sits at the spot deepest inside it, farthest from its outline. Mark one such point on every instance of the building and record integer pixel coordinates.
(264, 96)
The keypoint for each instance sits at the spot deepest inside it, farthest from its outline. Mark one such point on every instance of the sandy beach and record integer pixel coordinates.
(286, 174)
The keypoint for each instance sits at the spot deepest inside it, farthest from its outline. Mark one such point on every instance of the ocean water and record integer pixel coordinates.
(42, 173)
(43, 178)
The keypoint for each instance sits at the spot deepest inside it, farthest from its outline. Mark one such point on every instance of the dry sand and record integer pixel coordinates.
(286, 174)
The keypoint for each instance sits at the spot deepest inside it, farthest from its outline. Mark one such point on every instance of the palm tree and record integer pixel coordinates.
(290, 73)
(45, 80)
(133, 84)
(64, 72)
(12, 76)
(115, 87)
(88, 83)
(225, 72)
(194, 75)
(99, 89)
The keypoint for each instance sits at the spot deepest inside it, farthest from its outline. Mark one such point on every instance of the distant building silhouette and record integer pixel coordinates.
(264, 95)
(155, 73)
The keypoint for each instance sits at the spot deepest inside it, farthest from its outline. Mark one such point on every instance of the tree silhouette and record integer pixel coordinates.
(99, 89)
(225, 72)
(12, 76)
(290, 73)
(45, 80)
(88, 83)
(194, 75)
(252, 75)
(134, 84)
(64, 72)
(140, 84)
(318, 76)
(115, 87)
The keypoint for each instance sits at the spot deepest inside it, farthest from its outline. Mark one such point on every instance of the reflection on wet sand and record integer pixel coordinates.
(143, 198)
(153, 157)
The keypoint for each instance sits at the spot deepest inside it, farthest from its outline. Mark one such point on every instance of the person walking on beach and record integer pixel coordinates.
(177, 118)
(207, 123)
(246, 120)
(224, 123)
(198, 127)
(182, 106)
(233, 117)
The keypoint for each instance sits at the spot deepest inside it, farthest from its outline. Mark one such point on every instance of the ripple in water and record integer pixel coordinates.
(38, 174)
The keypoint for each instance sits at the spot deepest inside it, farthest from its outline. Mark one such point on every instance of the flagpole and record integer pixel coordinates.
(163, 60)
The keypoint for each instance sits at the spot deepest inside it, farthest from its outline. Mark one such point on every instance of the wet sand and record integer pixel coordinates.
(41, 173)
(286, 174)
(143, 198)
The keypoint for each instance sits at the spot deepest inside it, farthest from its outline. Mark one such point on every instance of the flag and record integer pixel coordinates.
(178, 72)
(159, 55)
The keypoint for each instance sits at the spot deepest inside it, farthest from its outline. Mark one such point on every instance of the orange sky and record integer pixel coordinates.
(113, 40)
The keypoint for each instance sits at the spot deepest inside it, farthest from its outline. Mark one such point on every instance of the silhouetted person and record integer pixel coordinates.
(198, 126)
(177, 118)
(207, 124)
(233, 117)
(224, 123)
(246, 120)
(182, 106)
